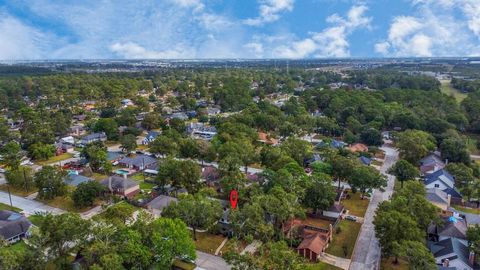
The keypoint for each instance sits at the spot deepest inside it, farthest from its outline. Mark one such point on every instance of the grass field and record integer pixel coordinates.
(317, 222)
(18, 191)
(468, 210)
(207, 242)
(35, 219)
(447, 89)
(355, 204)
(344, 242)
(472, 140)
(320, 266)
(8, 207)
(55, 159)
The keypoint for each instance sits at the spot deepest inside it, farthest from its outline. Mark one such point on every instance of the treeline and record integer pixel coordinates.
(466, 85)
(383, 80)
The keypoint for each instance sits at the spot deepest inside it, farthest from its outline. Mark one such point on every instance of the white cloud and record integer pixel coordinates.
(132, 50)
(332, 41)
(20, 41)
(256, 48)
(270, 11)
(438, 29)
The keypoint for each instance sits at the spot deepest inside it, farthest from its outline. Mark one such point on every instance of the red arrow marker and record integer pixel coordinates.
(233, 198)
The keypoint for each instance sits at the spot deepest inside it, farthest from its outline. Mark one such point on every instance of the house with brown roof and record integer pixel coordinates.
(315, 240)
(266, 139)
(358, 147)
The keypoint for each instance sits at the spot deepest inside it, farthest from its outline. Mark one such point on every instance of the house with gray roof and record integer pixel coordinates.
(451, 252)
(431, 163)
(74, 180)
(443, 180)
(451, 227)
(138, 162)
(157, 205)
(13, 226)
(121, 186)
(94, 137)
(438, 198)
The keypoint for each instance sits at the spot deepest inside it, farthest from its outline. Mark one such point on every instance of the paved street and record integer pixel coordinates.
(28, 206)
(211, 262)
(366, 254)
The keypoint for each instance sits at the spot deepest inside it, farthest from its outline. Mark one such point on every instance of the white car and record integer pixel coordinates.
(2, 170)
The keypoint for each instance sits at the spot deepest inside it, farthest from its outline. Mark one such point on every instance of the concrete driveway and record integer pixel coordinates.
(211, 262)
(366, 254)
(28, 206)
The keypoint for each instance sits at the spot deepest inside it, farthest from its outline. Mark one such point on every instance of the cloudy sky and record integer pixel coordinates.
(101, 29)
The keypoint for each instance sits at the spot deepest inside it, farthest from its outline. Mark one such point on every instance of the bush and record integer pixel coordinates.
(86, 193)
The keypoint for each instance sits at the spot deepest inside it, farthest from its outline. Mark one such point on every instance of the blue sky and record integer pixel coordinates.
(140, 29)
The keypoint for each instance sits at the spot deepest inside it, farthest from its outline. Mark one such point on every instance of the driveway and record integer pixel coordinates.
(366, 254)
(28, 206)
(210, 262)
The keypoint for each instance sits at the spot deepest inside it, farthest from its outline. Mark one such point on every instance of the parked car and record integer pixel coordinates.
(2, 170)
(352, 218)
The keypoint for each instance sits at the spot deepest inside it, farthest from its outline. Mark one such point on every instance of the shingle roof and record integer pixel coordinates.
(365, 160)
(75, 179)
(453, 192)
(161, 202)
(315, 242)
(119, 183)
(139, 160)
(431, 159)
(13, 224)
(440, 175)
(450, 246)
(437, 196)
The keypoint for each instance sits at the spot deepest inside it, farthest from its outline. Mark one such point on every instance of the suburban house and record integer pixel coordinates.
(451, 253)
(138, 162)
(201, 131)
(114, 156)
(224, 224)
(365, 161)
(67, 140)
(335, 211)
(358, 147)
(150, 137)
(178, 115)
(444, 181)
(94, 137)
(74, 179)
(61, 148)
(157, 205)
(77, 130)
(438, 198)
(121, 186)
(430, 164)
(315, 240)
(213, 111)
(337, 144)
(13, 226)
(452, 226)
(266, 139)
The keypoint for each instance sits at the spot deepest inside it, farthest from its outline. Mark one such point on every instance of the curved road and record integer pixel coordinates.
(366, 254)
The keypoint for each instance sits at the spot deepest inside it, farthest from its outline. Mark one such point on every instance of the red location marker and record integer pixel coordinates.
(233, 198)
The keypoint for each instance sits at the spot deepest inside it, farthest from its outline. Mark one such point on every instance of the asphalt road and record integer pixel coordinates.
(28, 206)
(210, 262)
(367, 252)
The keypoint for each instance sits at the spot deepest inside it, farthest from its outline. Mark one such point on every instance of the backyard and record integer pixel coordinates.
(344, 241)
(320, 266)
(355, 204)
(317, 222)
(207, 242)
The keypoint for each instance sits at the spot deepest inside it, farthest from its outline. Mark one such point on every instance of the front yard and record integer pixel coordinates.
(320, 266)
(207, 242)
(54, 159)
(18, 191)
(8, 207)
(355, 204)
(66, 203)
(343, 242)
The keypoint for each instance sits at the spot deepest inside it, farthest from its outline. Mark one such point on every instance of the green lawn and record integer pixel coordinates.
(472, 140)
(207, 242)
(355, 204)
(182, 265)
(468, 210)
(19, 246)
(447, 89)
(55, 159)
(35, 219)
(8, 207)
(345, 240)
(18, 191)
(320, 266)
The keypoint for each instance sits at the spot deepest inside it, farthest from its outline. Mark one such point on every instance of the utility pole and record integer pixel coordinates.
(9, 195)
(25, 179)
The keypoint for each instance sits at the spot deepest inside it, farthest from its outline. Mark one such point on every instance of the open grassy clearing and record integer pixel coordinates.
(18, 191)
(8, 207)
(207, 242)
(447, 89)
(355, 204)
(320, 266)
(55, 159)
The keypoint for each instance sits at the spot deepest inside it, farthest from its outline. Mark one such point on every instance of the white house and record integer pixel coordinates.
(335, 211)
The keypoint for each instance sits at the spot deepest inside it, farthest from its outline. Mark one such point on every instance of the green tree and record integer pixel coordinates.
(404, 171)
(180, 173)
(22, 177)
(297, 149)
(49, 181)
(128, 143)
(109, 126)
(11, 155)
(282, 257)
(197, 211)
(96, 155)
(86, 193)
(41, 151)
(320, 194)
(473, 236)
(165, 146)
(119, 213)
(371, 136)
(171, 239)
(414, 145)
(417, 255)
(151, 121)
(455, 150)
